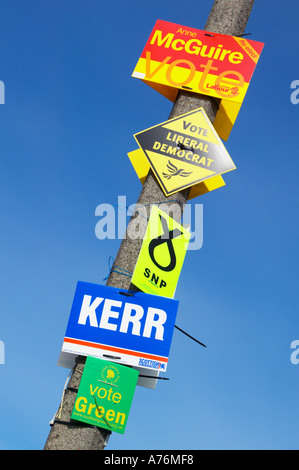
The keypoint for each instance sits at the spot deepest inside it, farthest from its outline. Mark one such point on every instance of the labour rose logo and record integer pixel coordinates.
(235, 90)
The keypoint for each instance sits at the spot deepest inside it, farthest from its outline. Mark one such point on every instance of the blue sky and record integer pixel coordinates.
(65, 130)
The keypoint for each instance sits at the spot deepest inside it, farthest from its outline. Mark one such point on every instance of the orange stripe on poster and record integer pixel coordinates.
(251, 52)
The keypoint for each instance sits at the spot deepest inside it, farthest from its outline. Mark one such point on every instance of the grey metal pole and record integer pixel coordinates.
(226, 17)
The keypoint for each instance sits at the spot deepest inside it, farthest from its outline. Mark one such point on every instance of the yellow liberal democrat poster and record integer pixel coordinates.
(184, 151)
(162, 255)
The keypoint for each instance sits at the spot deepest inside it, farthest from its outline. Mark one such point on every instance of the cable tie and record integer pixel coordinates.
(119, 272)
(162, 202)
(73, 423)
(184, 147)
(127, 294)
(111, 357)
(111, 270)
(153, 377)
(107, 383)
(190, 336)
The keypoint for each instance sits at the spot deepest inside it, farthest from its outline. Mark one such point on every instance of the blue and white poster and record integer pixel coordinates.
(127, 327)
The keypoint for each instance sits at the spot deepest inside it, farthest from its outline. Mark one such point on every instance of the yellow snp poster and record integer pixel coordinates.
(162, 255)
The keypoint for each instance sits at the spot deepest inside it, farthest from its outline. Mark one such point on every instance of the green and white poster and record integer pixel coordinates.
(105, 394)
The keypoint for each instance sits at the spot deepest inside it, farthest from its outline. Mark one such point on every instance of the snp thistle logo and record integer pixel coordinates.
(110, 374)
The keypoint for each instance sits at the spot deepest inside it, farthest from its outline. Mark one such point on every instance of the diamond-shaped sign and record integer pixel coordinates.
(184, 151)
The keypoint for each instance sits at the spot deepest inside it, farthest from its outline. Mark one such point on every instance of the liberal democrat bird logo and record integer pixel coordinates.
(174, 171)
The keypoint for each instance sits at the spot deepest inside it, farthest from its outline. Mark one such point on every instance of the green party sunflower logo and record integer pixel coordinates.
(110, 374)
